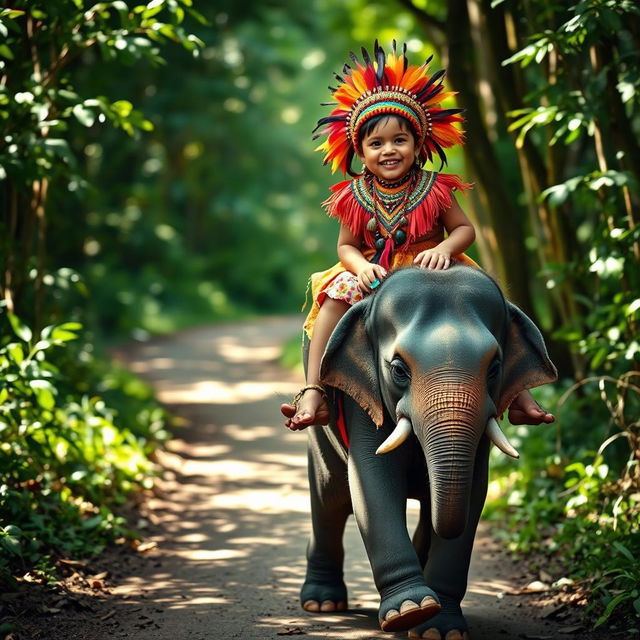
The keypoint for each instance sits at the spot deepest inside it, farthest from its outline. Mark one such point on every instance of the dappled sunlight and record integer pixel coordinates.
(263, 501)
(218, 392)
(489, 587)
(233, 351)
(236, 521)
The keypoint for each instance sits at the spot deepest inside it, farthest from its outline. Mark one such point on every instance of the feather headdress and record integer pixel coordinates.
(387, 84)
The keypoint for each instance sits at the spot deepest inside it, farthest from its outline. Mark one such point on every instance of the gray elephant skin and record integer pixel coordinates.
(422, 366)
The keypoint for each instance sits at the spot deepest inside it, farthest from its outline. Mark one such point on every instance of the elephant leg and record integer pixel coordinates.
(422, 535)
(447, 567)
(379, 489)
(324, 589)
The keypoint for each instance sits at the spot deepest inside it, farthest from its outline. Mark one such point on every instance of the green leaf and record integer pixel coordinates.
(20, 329)
(13, 530)
(85, 116)
(44, 393)
(16, 352)
(11, 544)
(610, 607)
(122, 107)
(624, 551)
(11, 13)
(5, 52)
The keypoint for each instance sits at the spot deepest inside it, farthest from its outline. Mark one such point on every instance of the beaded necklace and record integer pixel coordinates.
(389, 210)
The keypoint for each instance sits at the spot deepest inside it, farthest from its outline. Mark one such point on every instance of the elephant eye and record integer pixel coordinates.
(399, 372)
(494, 369)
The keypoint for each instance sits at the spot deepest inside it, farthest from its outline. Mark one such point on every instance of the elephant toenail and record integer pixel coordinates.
(328, 606)
(391, 614)
(431, 634)
(312, 606)
(428, 602)
(408, 605)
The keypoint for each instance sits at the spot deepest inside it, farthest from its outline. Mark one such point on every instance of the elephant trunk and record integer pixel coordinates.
(452, 422)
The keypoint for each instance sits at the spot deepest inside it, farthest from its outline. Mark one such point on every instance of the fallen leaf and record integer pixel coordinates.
(100, 576)
(533, 587)
(96, 584)
(72, 563)
(106, 616)
(146, 546)
(296, 631)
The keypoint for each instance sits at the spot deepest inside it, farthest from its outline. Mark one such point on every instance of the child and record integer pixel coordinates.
(393, 214)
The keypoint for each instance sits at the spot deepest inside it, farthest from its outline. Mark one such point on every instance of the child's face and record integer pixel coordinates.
(389, 151)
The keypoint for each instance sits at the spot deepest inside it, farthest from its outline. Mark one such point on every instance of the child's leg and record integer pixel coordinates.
(312, 408)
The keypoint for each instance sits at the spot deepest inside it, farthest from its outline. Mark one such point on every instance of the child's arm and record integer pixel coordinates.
(350, 254)
(461, 235)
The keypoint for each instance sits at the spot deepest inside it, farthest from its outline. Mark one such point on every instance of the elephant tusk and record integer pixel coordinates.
(499, 439)
(401, 432)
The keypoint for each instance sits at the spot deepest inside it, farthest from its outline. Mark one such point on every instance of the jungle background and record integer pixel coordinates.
(157, 171)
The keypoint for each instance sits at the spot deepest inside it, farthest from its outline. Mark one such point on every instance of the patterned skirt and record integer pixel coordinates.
(340, 284)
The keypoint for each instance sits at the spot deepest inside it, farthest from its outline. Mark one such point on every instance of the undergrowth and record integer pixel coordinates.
(575, 494)
(76, 435)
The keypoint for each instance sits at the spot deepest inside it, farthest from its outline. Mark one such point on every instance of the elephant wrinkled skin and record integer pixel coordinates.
(438, 353)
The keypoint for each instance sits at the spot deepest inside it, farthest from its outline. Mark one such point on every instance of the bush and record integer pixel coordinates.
(67, 457)
(576, 493)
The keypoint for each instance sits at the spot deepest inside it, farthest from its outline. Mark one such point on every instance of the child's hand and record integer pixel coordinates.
(436, 259)
(369, 275)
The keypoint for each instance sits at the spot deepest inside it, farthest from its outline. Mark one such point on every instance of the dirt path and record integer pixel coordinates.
(232, 522)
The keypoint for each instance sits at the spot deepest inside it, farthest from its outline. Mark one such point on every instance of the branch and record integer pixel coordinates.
(427, 21)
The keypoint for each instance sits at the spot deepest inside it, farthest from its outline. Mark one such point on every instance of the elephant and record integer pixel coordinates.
(416, 374)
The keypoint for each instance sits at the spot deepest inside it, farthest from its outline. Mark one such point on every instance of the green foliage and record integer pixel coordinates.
(592, 53)
(577, 493)
(67, 457)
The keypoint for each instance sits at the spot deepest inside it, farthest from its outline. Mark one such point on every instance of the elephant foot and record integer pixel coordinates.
(408, 609)
(323, 598)
(449, 624)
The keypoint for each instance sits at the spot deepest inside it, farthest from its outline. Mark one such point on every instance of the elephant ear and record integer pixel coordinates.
(349, 363)
(526, 363)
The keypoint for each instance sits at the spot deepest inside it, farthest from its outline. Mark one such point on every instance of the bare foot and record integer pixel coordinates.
(312, 410)
(525, 410)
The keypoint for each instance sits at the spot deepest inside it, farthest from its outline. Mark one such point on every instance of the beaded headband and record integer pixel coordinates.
(387, 86)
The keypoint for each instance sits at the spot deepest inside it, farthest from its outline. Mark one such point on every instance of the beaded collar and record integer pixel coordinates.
(388, 202)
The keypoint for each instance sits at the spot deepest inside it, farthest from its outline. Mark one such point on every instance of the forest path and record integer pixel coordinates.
(232, 521)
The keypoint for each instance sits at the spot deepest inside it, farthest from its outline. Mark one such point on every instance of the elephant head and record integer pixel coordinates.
(438, 354)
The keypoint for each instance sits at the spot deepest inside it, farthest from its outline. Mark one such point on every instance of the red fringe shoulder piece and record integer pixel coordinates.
(430, 198)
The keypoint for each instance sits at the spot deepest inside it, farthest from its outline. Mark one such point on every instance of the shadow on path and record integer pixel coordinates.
(232, 514)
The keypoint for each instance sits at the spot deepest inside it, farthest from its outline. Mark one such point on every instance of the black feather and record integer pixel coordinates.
(327, 120)
(448, 112)
(425, 97)
(346, 68)
(354, 57)
(338, 78)
(441, 153)
(365, 57)
(435, 77)
(328, 104)
(350, 155)
(381, 60)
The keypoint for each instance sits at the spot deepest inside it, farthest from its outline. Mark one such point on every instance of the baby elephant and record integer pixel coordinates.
(419, 370)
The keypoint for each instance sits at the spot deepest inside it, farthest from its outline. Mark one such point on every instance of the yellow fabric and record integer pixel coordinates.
(403, 258)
